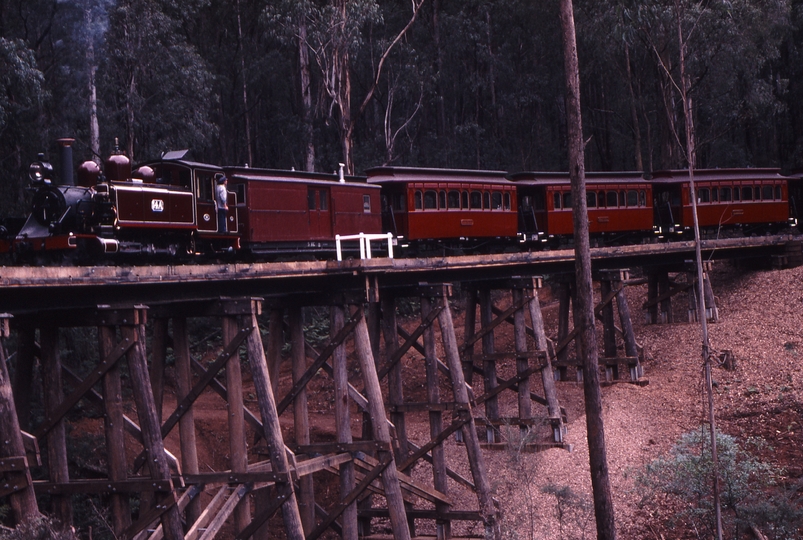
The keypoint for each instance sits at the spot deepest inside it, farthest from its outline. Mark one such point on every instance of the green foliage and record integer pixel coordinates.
(730, 49)
(20, 80)
(38, 529)
(22, 93)
(408, 307)
(160, 87)
(473, 84)
(573, 511)
(316, 327)
(683, 480)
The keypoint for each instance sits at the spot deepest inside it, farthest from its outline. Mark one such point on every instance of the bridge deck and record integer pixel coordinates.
(34, 288)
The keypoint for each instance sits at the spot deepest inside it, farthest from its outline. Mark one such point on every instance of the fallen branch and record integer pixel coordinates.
(758, 534)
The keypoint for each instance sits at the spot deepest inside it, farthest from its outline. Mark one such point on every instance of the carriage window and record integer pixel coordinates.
(642, 198)
(418, 201)
(496, 200)
(736, 194)
(747, 193)
(324, 200)
(704, 195)
(430, 200)
(591, 199)
(556, 200)
(442, 199)
(506, 202)
(366, 204)
(778, 194)
(205, 182)
(239, 189)
(725, 194)
(766, 193)
(632, 198)
(714, 194)
(610, 199)
(464, 200)
(486, 200)
(476, 199)
(601, 199)
(454, 199)
(311, 199)
(757, 193)
(567, 199)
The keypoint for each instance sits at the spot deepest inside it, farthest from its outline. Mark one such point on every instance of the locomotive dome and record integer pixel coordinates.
(145, 173)
(88, 174)
(117, 166)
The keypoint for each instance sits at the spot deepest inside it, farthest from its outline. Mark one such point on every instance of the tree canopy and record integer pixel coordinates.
(470, 84)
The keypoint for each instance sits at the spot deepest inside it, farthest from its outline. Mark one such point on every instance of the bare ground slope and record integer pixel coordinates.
(761, 321)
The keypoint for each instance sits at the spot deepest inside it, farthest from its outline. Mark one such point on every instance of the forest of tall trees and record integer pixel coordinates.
(437, 83)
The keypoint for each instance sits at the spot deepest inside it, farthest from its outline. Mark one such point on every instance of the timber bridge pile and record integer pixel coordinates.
(274, 488)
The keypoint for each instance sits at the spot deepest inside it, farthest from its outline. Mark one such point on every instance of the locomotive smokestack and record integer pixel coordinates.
(66, 162)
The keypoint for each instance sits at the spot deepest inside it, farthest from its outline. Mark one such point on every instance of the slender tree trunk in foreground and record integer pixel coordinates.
(691, 158)
(586, 338)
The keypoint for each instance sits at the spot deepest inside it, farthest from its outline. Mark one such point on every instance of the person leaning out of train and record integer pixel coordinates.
(221, 202)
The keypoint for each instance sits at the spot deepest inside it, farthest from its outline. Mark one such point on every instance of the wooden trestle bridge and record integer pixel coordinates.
(273, 488)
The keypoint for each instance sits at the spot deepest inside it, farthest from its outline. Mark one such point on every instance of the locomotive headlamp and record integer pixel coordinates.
(40, 172)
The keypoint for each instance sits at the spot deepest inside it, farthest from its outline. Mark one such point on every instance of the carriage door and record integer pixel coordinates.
(320, 214)
(205, 201)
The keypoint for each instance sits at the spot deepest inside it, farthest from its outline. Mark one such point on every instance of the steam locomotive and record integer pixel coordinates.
(166, 208)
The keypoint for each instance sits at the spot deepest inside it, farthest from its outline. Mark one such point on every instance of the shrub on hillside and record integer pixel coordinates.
(679, 488)
(43, 528)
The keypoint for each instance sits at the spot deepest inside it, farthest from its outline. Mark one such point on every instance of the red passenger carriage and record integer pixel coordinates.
(750, 199)
(619, 205)
(292, 211)
(464, 208)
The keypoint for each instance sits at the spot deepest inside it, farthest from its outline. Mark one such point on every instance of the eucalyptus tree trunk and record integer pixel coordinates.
(342, 75)
(584, 305)
(129, 110)
(306, 96)
(246, 113)
(436, 38)
(94, 129)
(633, 113)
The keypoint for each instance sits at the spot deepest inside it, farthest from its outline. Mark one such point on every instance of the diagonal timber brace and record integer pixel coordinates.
(92, 379)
